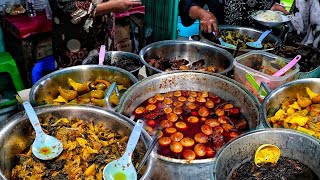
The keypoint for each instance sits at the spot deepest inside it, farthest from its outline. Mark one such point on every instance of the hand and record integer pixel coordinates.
(123, 5)
(208, 22)
(278, 7)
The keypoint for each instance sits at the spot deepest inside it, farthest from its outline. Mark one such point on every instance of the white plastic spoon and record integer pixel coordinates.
(122, 168)
(102, 54)
(44, 147)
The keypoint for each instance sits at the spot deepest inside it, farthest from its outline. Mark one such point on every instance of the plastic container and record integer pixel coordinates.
(188, 31)
(245, 64)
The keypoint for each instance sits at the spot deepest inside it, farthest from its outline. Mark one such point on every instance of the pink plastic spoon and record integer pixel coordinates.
(283, 70)
(102, 53)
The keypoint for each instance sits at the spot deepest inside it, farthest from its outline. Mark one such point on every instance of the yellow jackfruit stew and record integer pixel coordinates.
(90, 92)
(302, 114)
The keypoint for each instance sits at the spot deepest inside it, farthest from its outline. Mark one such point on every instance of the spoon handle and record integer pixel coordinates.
(283, 70)
(33, 118)
(102, 53)
(151, 147)
(134, 138)
(263, 35)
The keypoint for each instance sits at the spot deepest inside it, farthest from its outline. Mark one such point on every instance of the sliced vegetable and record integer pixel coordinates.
(267, 153)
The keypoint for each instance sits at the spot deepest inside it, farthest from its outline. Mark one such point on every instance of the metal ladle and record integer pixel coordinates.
(44, 147)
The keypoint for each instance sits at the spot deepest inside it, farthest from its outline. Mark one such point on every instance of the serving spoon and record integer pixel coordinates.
(122, 168)
(258, 43)
(44, 147)
(283, 70)
(223, 43)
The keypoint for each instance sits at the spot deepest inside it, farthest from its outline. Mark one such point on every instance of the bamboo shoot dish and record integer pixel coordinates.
(87, 148)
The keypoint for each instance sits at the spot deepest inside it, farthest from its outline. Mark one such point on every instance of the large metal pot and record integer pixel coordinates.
(168, 168)
(251, 32)
(292, 144)
(189, 50)
(48, 85)
(16, 132)
(125, 60)
(289, 90)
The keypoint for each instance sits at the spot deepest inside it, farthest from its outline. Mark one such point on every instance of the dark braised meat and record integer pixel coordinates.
(285, 169)
(126, 64)
(166, 64)
(310, 56)
(198, 65)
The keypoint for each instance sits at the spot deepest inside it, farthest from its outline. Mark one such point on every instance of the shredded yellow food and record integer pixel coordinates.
(87, 148)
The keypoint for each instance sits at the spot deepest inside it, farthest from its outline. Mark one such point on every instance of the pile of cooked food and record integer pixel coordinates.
(233, 37)
(285, 168)
(195, 124)
(309, 56)
(166, 64)
(126, 63)
(91, 92)
(269, 16)
(300, 113)
(87, 148)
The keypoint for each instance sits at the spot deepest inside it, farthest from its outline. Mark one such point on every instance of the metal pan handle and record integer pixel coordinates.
(112, 88)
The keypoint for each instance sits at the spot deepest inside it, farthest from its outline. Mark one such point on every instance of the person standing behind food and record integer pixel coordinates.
(231, 12)
(80, 27)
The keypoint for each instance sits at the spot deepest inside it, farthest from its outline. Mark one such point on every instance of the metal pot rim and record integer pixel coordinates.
(166, 42)
(41, 81)
(120, 107)
(278, 42)
(273, 93)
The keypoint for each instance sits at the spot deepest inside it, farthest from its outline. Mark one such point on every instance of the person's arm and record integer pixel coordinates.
(79, 9)
(276, 6)
(116, 6)
(184, 8)
(190, 10)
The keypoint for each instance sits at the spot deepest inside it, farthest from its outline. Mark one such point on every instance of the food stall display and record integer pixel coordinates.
(202, 104)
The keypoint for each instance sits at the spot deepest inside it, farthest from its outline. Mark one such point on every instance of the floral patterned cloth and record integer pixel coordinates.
(77, 32)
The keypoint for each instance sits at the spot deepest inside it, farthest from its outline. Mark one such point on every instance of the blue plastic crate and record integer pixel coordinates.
(187, 31)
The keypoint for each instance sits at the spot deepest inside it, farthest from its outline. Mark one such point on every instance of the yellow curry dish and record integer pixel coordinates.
(91, 92)
(302, 114)
(87, 148)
